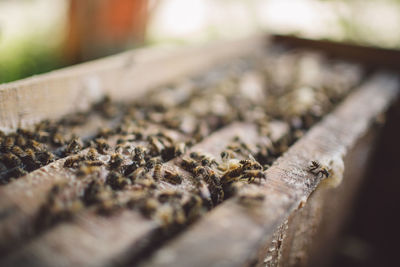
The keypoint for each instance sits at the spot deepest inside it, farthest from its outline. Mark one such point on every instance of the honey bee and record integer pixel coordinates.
(36, 146)
(195, 155)
(245, 147)
(208, 161)
(85, 170)
(104, 132)
(91, 192)
(192, 207)
(146, 181)
(168, 194)
(235, 170)
(317, 169)
(131, 168)
(14, 173)
(54, 210)
(58, 139)
(21, 141)
(73, 161)
(123, 148)
(231, 175)
(215, 187)
(25, 132)
(205, 194)
(91, 163)
(165, 214)
(230, 164)
(116, 181)
(250, 175)
(165, 136)
(30, 153)
(29, 160)
(42, 136)
(199, 171)
(107, 207)
(151, 163)
(139, 153)
(115, 161)
(226, 155)
(179, 215)
(101, 145)
(157, 172)
(44, 157)
(10, 160)
(188, 164)
(250, 164)
(179, 149)
(2, 167)
(138, 135)
(140, 172)
(73, 147)
(8, 142)
(16, 150)
(148, 206)
(157, 144)
(91, 154)
(172, 177)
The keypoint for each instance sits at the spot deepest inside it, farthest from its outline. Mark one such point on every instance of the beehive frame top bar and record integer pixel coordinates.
(231, 234)
(124, 77)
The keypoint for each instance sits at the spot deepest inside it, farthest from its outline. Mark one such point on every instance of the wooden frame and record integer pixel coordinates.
(124, 76)
(230, 235)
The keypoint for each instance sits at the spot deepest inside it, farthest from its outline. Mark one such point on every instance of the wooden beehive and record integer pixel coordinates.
(294, 222)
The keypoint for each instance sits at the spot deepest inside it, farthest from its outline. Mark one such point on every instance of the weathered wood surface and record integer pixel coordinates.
(125, 77)
(87, 240)
(21, 200)
(309, 235)
(232, 235)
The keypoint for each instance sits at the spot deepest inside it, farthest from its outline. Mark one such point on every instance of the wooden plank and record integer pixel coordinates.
(21, 200)
(232, 234)
(308, 236)
(68, 241)
(88, 242)
(372, 56)
(124, 76)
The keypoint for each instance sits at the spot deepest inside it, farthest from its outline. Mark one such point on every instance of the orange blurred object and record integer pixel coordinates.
(98, 28)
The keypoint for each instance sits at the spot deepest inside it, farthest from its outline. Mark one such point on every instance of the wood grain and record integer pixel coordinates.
(231, 235)
(21, 199)
(69, 240)
(125, 77)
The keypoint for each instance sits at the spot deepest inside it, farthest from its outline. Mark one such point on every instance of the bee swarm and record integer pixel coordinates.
(174, 154)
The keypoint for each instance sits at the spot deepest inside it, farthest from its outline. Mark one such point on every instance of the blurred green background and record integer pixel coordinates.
(37, 36)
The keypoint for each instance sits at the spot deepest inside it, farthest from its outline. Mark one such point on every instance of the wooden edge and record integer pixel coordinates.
(371, 56)
(123, 77)
(233, 233)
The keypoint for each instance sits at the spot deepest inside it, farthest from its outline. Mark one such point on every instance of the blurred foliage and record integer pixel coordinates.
(27, 57)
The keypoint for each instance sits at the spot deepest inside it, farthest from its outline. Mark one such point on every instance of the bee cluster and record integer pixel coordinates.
(142, 158)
